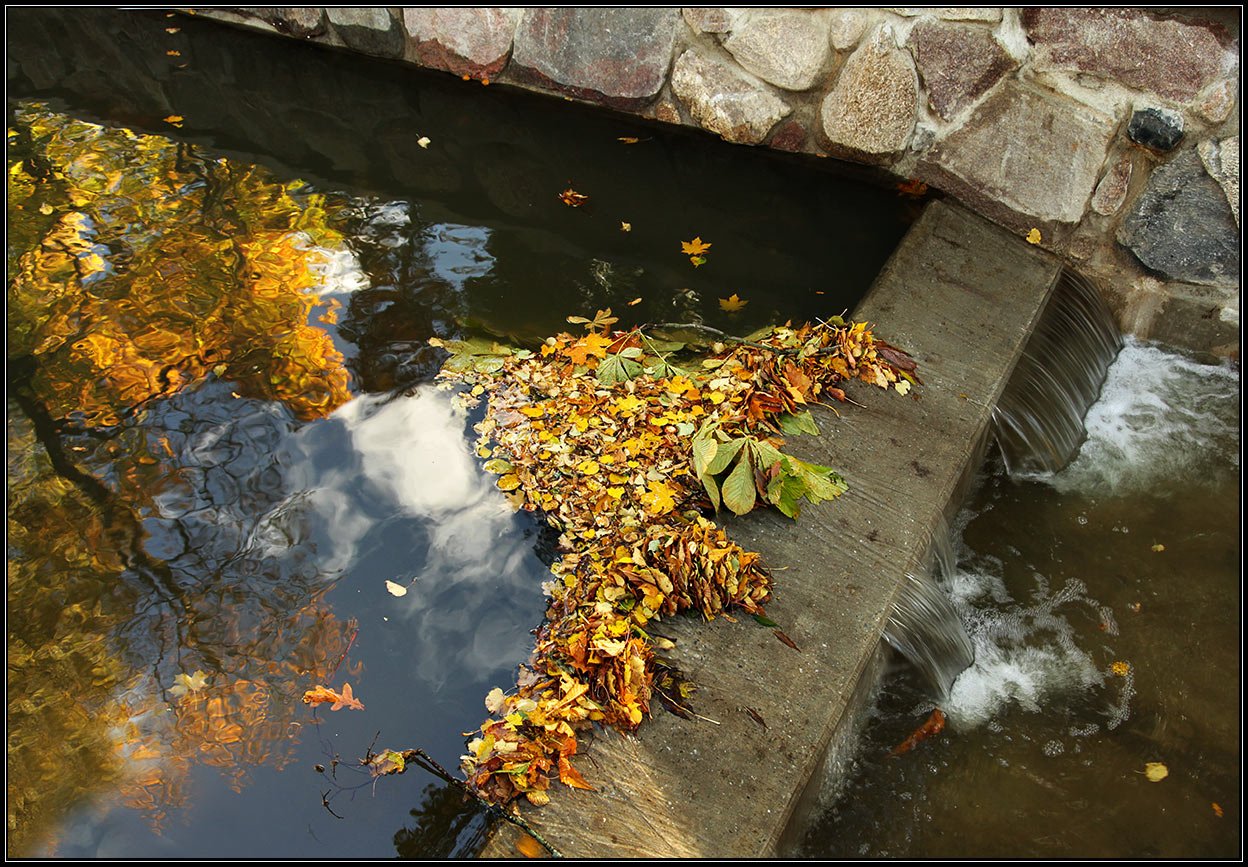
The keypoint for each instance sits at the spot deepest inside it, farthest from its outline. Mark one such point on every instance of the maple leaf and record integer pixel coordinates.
(593, 344)
(183, 683)
(696, 247)
(323, 694)
(732, 303)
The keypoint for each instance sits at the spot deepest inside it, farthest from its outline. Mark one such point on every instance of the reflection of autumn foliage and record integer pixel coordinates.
(138, 267)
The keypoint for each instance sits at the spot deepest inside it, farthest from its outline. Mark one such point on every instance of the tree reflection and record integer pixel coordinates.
(448, 825)
(164, 337)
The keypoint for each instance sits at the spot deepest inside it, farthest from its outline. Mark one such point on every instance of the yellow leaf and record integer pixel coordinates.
(659, 499)
(902, 386)
(1033, 237)
(732, 303)
(175, 119)
(1120, 668)
(1159, 548)
(1156, 772)
(587, 467)
(509, 482)
(396, 589)
(423, 141)
(625, 227)
(696, 247)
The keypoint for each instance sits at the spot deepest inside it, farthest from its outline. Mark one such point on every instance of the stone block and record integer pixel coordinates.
(613, 56)
(723, 101)
(786, 47)
(870, 112)
(1022, 157)
(958, 63)
(845, 28)
(1111, 192)
(1221, 161)
(368, 30)
(709, 19)
(789, 137)
(464, 40)
(1182, 227)
(1216, 102)
(1168, 58)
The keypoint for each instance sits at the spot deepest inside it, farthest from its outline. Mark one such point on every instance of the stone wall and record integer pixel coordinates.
(1112, 133)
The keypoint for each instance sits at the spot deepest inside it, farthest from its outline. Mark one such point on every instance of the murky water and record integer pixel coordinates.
(1104, 603)
(222, 437)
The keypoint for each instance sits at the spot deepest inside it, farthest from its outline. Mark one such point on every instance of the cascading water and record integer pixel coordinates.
(923, 625)
(1038, 423)
(1039, 419)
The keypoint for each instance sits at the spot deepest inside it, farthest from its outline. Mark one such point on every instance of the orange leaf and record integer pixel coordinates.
(591, 344)
(572, 198)
(696, 247)
(570, 776)
(732, 303)
(934, 724)
(529, 847)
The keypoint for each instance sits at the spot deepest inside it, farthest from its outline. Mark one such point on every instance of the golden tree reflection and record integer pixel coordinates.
(138, 272)
(137, 267)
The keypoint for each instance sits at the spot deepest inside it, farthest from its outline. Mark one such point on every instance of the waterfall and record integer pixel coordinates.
(1039, 419)
(923, 625)
(1039, 424)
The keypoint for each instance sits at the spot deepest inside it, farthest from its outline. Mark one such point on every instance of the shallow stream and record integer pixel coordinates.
(1104, 603)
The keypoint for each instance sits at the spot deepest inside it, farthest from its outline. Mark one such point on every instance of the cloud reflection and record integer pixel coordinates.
(403, 498)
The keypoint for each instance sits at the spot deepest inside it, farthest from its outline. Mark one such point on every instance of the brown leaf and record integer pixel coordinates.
(932, 726)
(786, 640)
(756, 716)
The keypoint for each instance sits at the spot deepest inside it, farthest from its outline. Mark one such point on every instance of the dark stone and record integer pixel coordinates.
(1182, 226)
(612, 56)
(1156, 128)
(368, 30)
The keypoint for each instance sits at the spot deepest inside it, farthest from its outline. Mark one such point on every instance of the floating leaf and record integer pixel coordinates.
(423, 141)
(324, 695)
(732, 303)
(696, 247)
(698, 261)
(183, 683)
(1033, 237)
(1120, 668)
(572, 198)
(396, 589)
(175, 119)
(1156, 772)
(1158, 548)
(625, 227)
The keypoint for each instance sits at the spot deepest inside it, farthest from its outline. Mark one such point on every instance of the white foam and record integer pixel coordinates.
(1160, 416)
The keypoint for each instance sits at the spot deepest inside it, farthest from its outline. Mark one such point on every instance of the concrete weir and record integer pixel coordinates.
(962, 296)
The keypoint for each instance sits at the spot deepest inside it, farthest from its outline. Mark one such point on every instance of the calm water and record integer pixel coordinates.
(1046, 746)
(222, 436)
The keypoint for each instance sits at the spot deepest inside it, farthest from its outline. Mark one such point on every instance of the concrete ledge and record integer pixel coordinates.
(961, 295)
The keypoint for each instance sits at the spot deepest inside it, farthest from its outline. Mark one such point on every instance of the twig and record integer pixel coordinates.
(425, 760)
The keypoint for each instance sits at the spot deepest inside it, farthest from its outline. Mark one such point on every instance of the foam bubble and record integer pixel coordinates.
(1160, 416)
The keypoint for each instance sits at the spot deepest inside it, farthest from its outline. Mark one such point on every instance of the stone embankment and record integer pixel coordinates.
(1112, 132)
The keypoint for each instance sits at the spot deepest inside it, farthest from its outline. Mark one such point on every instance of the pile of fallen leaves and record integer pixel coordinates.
(627, 450)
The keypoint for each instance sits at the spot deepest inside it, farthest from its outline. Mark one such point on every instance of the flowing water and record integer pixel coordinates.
(1103, 602)
(230, 478)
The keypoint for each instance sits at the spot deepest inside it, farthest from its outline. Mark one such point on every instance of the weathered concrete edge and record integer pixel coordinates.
(962, 296)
